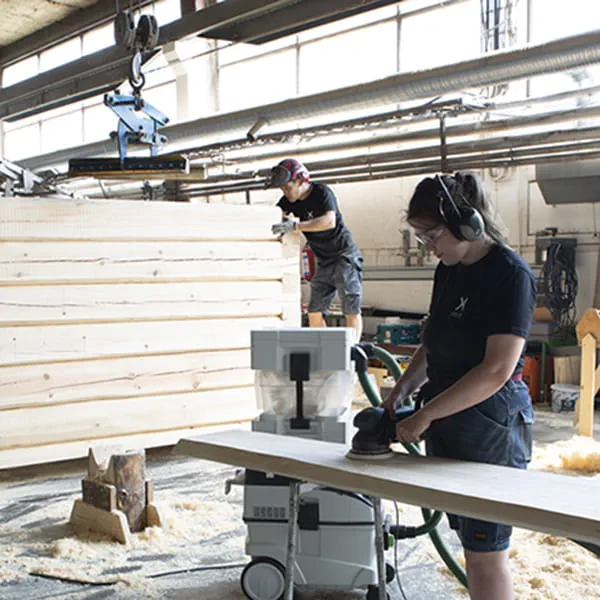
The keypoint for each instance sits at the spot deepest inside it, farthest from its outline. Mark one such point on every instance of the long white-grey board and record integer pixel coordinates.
(555, 504)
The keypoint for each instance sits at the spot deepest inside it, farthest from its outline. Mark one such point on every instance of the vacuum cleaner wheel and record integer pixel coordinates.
(373, 593)
(263, 579)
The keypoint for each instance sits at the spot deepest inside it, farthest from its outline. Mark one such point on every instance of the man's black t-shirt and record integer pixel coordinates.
(328, 245)
(495, 295)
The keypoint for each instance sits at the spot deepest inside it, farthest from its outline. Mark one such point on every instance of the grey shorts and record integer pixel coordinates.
(344, 277)
(496, 431)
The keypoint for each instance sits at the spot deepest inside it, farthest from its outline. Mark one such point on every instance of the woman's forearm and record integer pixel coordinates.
(474, 387)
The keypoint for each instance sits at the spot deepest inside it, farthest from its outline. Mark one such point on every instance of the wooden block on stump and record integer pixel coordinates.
(85, 517)
(154, 514)
(100, 495)
(117, 499)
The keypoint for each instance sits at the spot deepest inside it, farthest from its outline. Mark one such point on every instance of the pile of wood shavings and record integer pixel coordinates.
(193, 527)
(546, 567)
(579, 454)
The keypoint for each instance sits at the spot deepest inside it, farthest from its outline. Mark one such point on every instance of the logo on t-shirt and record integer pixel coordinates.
(309, 215)
(459, 310)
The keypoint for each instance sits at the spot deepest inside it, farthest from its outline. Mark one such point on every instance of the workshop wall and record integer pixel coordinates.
(375, 212)
(129, 323)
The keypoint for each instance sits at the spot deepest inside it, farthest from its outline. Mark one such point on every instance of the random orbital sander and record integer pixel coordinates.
(376, 431)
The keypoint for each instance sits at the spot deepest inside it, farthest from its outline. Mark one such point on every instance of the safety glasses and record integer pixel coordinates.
(430, 235)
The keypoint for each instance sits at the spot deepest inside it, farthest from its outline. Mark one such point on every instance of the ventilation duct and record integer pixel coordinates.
(573, 182)
(559, 55)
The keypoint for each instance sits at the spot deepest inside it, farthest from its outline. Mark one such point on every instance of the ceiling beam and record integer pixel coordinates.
(293, 19)
(76, 23)
(108, 68)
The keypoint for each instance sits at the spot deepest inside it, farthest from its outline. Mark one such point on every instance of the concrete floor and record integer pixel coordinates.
(34, 510)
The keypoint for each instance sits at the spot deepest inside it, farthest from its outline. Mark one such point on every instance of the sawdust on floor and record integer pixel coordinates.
(205, 528)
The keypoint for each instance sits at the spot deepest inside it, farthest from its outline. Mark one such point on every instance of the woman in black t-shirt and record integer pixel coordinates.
(468, 369)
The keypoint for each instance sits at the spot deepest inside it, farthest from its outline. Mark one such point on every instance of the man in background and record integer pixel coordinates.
(312, 208)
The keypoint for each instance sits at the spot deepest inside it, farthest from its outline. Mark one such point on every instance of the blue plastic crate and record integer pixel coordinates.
(398, 334)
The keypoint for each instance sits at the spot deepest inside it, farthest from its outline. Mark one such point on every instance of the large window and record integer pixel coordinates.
(88, 121)
(409, 36)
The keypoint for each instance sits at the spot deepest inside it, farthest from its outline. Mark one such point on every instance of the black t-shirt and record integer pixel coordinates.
(328, 245)
(495, 295)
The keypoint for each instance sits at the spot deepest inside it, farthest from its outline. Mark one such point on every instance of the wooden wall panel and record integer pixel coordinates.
(31, 344)
(67, 261)
(85, 303)
(42, 384)
(38, 218)
(129, 322)
(112, 418)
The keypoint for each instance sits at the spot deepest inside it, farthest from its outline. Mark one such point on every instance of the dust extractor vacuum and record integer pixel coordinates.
(305, 384)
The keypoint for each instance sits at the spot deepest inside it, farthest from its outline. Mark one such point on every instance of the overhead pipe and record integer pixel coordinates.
(546, 139)
(394, 172)
(391, 119)
(537, 144)
(533, 148)
(431, 133)
(504, 158)
(558, 55)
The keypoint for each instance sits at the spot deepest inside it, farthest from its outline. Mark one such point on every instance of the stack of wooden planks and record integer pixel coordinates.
(128, 322)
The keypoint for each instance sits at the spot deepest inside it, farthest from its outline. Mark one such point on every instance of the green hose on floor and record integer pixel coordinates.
(431, 518)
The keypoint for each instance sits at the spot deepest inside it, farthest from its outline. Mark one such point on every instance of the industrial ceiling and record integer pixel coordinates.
(22, 19)
(31, 27)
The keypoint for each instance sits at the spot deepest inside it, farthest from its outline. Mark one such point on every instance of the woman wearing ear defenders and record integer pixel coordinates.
(472, 402)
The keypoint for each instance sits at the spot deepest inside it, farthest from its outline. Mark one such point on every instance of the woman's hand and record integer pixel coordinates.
(394, 399)
(411, 429)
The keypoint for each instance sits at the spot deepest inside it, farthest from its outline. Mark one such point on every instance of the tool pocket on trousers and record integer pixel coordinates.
(484, 439)
(522, 439)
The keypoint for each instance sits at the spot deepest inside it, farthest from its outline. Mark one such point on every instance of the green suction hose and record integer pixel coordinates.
(370, 391)
(388, 360)
(431, 518)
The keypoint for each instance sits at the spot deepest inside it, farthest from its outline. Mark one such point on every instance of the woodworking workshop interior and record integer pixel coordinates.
(300, 299)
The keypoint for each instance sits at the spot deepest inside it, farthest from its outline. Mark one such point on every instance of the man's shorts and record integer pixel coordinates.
(343, 276)
(496, 431)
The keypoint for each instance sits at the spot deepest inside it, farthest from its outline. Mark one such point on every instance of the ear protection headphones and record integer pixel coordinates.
(464, 221)
(285, 171)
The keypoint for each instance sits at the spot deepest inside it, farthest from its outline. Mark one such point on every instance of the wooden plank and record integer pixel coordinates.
(589, 324)
(99, 494)
(42, 219)
(85, 261)
(134, 301)
(555, 504)
(292, 313)
(60, 383)
(47, 453)
(26, 427)
(23, 345)
(585, 408)
(597, 284)
(85, 517)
